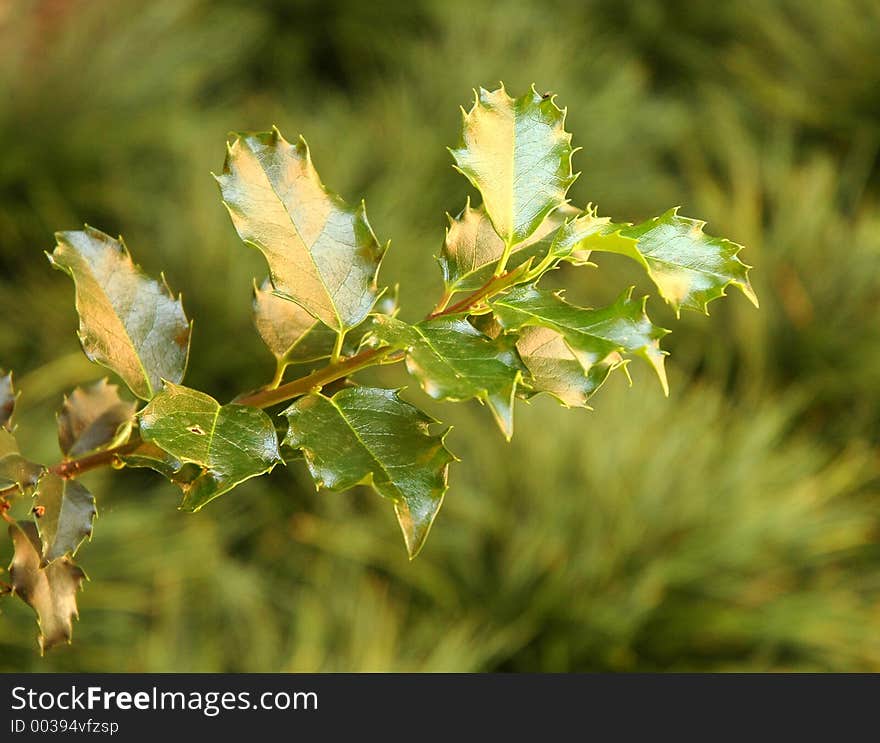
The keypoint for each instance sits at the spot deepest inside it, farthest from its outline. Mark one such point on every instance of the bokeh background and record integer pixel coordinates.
(733, 526)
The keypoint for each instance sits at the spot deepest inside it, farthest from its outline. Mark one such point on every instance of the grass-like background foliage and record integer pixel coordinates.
(732, 526)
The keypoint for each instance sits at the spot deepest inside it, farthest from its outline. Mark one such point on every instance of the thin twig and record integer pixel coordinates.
(74, 467)
(265, 398)
(275, 393)
(492, 286)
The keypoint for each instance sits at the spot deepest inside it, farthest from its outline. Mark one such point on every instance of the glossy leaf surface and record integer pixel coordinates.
(689, 267)
(294, 336)
(369, 436)
(321, 253)
(553, 367)
(65, 513)
(592, 334)
(230, 443)
(452, 360)
(93, 418)
(516, 152)
(127, 321)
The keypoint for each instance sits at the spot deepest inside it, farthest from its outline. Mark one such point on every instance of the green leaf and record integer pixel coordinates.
(586, 232)
(591, 334)
(516, 152)
(127, 322)
(15, 470)
(289, 331)
(65, 512)
(50, 591)
(554, 369)
(365, 435)
(294, 336)
(8, 396)
(689, 267)
(452, 360)
(472, 248)
(321, 254)
(94, 418)
(231, 443)
(150, 456)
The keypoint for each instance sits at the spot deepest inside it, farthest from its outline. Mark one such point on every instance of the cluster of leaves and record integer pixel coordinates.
(494, 336)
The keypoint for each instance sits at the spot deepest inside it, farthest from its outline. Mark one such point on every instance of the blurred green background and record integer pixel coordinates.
(733, 526)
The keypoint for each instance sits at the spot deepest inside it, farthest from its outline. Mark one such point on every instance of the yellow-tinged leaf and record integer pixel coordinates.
(516, 152)
(592, 334)
(689, 267)
(93, 418)
(321, 253)
(50, 591)
(127, 321)
(554, 368)
(472, 248)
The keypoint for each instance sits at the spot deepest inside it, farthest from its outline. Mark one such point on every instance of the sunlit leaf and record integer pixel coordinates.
(288, 330)
(321, 253)
(592, 334)
(472, 248)
(50, 591)
(127, 321)
(93, 418)
(554, 368)
(689, 267)
(294, 336)
(516, 152)
(454, 361)
(231, 443)
(369, 436)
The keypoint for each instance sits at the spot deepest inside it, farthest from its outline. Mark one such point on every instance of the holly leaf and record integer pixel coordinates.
(369, 436)
(452, 360)
(15, 470)
(148, 455)
(128, 322)
(472, 248)
(94, 418)
(65, 513)
(587, 231)
(294, 336)
(231, 443)
(50, 591)
(689, 267)
(553, 368)
(322, 254)
(8, 396)
(517, 154)
(288, 330)
(591, 334)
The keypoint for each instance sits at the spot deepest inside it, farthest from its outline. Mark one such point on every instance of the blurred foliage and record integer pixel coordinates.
(733, 526)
